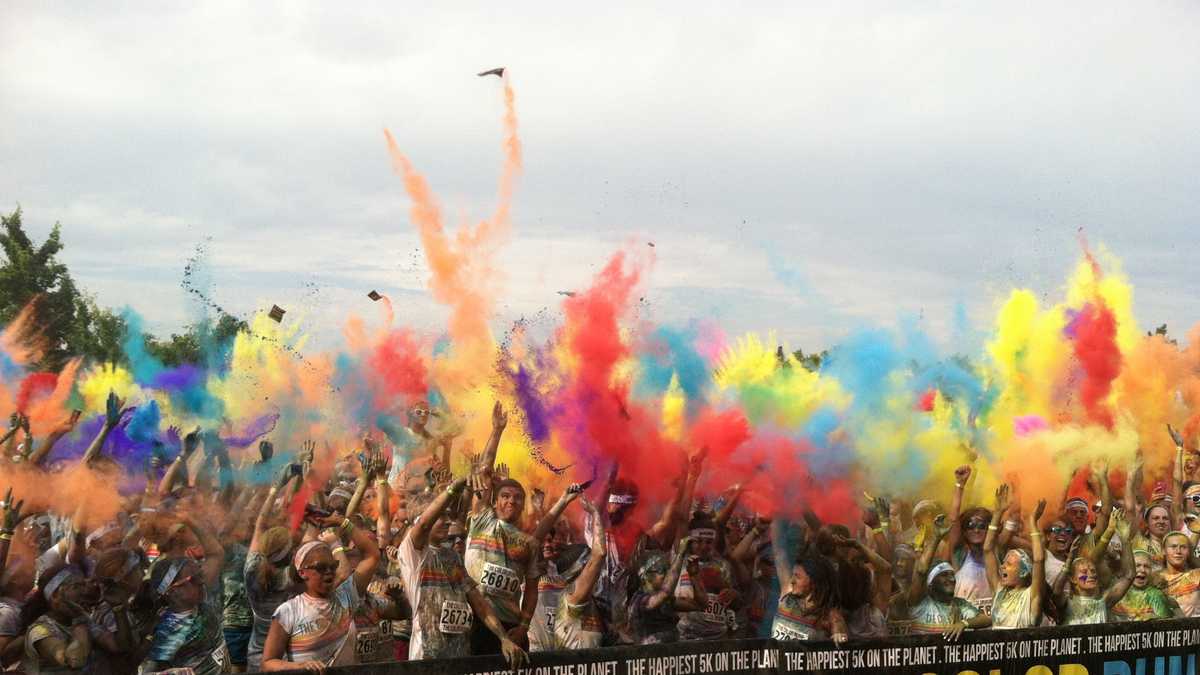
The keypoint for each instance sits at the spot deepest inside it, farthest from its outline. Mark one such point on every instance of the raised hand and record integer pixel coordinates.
(1038, 511)
(12, 513)
(941, 526)
(191, 442)
(1120, 522)
(962, 474)
(501, 471)
(1175, 436)
(499, 417)
(68, 424)
(1002, 498)
(696, 463)
(114, 410)
(538, 500)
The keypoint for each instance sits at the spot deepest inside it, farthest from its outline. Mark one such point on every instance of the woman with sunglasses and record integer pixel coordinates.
(965, 543)
(1084, 601)
(314, 630)
(1019, 579)
(59, 641)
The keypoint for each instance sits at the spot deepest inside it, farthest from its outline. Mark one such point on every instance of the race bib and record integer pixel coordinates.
(499, 580)
(221, 656)
(366, 642)
(456, 618)
(400, 628)
(550, 620)
(784, 632)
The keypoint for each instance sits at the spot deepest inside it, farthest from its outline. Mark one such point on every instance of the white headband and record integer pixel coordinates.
(622, 499)
(58, 580)
(705, 533)
(304, 550)
(937, 569)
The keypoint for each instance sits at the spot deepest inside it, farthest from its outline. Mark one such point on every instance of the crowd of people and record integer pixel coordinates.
(379, 558)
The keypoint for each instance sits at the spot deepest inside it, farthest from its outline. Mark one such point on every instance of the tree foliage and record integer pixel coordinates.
(70, 322)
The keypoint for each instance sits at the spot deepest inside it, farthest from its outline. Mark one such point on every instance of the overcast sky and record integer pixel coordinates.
(809, 169)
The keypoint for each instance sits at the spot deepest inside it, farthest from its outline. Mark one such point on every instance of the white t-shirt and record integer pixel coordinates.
(436, 584)
(321, 630)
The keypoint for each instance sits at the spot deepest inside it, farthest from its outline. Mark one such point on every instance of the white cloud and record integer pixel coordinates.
(900, 160)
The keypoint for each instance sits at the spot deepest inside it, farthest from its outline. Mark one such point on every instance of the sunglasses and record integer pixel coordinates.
(1059, 529)
(323, 568)
(977, 524)
(1195, 499)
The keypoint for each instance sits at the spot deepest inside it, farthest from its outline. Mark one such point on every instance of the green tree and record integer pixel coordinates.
(34, 274)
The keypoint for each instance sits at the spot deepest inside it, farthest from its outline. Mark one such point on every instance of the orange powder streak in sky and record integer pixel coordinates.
(463, 275)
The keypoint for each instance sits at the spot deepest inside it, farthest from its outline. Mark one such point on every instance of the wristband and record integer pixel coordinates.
(958, 485)
(1035, 534)
(339, 549)
(993, 528)
(1011, 525)
(5, 536)
(885, 524)
(347, 526)
(452, 490)
(382, 482)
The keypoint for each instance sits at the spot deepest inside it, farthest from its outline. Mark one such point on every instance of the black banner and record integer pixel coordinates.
(1150, 648)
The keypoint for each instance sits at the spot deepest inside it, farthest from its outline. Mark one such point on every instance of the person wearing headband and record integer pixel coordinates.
(268, 583)
(1087, 602)
(188, 633)
(1183, 581)
(59, 641)
(1143, 601)
(1019, 579)
(315, 629)
(934, 607)
(124, 617)
(707, 590)
(445, 600)
(500, 555)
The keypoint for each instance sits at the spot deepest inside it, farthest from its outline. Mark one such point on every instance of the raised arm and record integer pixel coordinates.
(1059, 591)
(11, 518)
(115, 411)
(1038, 583)
(783, 566)
(214, 553)
(41, 452)
(961, 475)
(916, 589)
(585, 583)
(419, 532)
(546, 524)
(1133, 487)
(1121, 584)
(989, 542)
(1105, 493)
(667, 590)
(499, 422)
(190, 443)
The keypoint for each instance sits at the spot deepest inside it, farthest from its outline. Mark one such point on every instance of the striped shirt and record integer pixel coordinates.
(498, 558)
